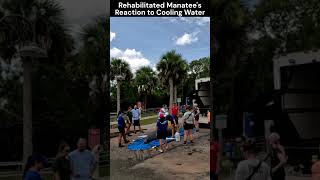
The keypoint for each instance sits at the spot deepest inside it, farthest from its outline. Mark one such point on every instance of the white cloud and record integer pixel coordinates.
(201, 21)
(112, 36)
(134, 58)
(154, 68)
(187, 39)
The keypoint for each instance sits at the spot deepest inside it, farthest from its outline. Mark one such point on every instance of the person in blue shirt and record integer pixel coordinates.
(170, 118)
(162, 132)
(33, 167)
(82, 162)
(121, 127)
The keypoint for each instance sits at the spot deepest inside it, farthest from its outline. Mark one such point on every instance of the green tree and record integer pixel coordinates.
(120, 68)
(146, 81)
(199, 68)
(92, 63)
(172, 70)
(230, 44)
(35, 21)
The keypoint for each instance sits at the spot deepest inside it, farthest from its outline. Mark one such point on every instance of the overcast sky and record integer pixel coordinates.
(78, 13)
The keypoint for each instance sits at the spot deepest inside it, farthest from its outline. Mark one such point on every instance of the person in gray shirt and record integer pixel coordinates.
(82, 161)
(252, 168)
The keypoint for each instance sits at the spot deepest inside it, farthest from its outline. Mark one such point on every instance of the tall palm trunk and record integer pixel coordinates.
(232, 94)
(171, 91)
(118, 96)
(175, 92)
(27, 110)
(145, 101)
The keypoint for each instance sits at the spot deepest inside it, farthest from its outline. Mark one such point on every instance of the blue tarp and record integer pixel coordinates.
(140, 145)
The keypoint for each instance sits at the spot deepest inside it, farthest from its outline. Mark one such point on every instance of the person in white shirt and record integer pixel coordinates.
(188, 125)
(252, 168)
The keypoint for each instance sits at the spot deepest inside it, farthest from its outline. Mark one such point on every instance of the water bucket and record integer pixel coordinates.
(177, 136)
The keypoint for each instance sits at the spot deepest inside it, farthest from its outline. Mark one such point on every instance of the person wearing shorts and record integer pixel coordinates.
(188, 119)
(136, 118)
(162, 132)
(170, 119)
(175, 112)
(129, 122)
(196, 116)
(121, 128)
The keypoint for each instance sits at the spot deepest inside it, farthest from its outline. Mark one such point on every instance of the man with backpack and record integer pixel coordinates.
(252, 168)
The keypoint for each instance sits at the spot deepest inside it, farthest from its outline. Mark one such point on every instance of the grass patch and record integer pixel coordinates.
(143, 115)
(148, 121)
(143, 122)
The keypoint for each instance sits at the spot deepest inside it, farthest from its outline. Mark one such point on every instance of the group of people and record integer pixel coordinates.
(253, 168)
(170, 120)
(167, 122)
(134, 117)
(79, 164)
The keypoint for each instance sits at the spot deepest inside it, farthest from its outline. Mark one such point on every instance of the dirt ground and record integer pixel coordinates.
(179, 162)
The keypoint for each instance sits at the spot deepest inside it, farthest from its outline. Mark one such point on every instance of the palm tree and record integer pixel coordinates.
(146, 81)
(119, 70)
(229, 25)
(92, 61)
(40, 22)
(172, 70)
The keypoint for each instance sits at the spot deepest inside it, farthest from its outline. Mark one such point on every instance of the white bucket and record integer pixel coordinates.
(177, 136)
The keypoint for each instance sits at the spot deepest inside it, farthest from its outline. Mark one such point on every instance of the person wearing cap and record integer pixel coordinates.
(33, 167)
(162, 111)
(252, 168)
(162, 132)
(188, 119)
(278, 157)
(61, 165)
(121, 128)
(82, 162)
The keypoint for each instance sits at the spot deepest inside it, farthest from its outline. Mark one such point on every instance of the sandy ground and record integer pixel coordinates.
(179, 162)
(287, 178)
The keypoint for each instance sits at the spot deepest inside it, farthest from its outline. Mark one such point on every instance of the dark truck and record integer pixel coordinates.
(296, 105)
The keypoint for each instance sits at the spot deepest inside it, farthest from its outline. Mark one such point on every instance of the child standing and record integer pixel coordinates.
(162, 127)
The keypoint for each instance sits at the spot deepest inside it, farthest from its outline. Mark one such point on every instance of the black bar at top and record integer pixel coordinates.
(205, 4)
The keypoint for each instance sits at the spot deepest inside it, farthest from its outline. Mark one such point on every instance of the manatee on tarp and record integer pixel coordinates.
(151, 135)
